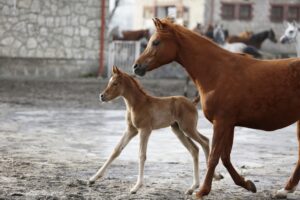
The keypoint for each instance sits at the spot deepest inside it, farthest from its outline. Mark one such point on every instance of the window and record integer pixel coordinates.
(228, 11)
(277, 13)
(293, 13)
(245, 11)
(281, 12)
(240, 11)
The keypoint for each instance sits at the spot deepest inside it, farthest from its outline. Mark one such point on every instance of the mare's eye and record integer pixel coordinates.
(115, 84)
(155, 42)
(291, 32)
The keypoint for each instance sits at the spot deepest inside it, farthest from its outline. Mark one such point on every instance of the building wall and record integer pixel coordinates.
(260, 22)
(64, 33)
(196, 11)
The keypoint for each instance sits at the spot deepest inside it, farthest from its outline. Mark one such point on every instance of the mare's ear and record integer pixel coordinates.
(158, 24)
(115, 70)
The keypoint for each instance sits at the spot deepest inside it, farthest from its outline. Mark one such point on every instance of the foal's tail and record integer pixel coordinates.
(196, 100)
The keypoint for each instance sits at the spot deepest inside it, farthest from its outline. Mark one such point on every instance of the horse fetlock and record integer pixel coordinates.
(136, 188)
(282, 193)
(192, 189)
(250, 186)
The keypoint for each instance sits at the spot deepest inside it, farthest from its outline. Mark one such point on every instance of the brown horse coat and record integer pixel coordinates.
(235, 91)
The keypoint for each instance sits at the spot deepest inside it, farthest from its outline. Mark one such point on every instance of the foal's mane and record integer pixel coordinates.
(136, 83)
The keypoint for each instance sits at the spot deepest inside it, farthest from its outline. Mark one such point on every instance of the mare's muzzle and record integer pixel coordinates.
(139, 69)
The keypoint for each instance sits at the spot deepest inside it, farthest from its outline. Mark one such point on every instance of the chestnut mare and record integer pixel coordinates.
(146, 113)
(235, 90)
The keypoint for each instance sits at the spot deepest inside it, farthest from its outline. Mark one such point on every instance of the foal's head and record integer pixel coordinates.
(290, 33)
(115, 86)
(161, 49)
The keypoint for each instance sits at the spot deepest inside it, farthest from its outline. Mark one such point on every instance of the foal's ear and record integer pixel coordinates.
(115, 70)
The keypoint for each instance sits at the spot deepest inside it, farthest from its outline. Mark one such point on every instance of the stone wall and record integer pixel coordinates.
(66, 31)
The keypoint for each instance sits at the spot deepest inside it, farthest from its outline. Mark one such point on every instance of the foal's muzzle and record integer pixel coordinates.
(102, 97)
(139, 69)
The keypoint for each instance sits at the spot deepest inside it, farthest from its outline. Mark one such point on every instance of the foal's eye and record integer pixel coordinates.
(115, 84)
(155, 42)
(291, 32)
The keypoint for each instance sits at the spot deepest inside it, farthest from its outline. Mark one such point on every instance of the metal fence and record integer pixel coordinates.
(123, 54)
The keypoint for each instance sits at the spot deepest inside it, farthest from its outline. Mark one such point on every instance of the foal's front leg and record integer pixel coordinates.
(144, 137)
(128, 135)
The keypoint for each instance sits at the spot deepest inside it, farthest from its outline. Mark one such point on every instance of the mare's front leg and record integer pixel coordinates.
(294, 179)
(222, 129)
(127, 136)
(144, 137)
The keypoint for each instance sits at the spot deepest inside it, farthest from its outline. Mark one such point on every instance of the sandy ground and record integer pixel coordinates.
(54, 135)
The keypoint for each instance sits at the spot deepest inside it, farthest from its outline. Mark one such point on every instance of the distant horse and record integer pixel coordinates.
(146, 113)
(238, 47)
(132, 35)
(198, 29)
(292, 35)
(256, 39)
(235, 91)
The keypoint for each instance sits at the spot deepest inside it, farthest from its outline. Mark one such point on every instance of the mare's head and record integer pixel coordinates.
(272, 36)
(290, 33)
(161, 49)
(115, 86)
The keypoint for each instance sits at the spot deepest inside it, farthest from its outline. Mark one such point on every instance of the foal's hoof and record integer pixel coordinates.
(250, 186)
(218, 176)
(91, 182)
(198, 196)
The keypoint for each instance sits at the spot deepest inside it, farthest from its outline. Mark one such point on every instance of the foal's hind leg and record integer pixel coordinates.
(294, 179)
(192, 132)
(193, 149)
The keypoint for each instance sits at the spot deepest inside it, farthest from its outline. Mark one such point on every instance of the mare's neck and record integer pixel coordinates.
(203, 60)
(133, 95)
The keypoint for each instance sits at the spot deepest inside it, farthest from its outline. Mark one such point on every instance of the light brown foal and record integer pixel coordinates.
(146, 113)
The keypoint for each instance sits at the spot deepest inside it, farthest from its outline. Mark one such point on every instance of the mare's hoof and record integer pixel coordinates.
(250, 186)
(198, 196)
(282, 194)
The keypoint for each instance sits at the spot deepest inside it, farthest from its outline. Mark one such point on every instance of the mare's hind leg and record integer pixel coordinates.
(294, 179)
(194, 150)
(225, 157)
(192, 132)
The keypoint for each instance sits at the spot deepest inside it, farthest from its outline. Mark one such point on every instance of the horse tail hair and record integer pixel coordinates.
(252, 51)
(196, 100)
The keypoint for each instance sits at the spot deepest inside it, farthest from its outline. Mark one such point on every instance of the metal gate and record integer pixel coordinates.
(123, 54)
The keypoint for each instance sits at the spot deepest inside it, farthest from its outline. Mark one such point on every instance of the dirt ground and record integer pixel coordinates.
(54, 135)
